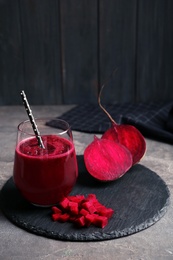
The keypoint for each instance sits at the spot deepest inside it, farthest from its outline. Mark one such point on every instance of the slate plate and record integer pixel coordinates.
(140, 198)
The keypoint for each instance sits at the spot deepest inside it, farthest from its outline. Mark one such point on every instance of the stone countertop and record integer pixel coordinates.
(156, 242)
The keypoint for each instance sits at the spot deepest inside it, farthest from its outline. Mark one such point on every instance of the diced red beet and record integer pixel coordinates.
(77, 198)
(100, 207)
(80, 221)
(91, 197)
(60, 217)
(83, 212)
(56, 210)
(107, 212)
(73, 219)
(100, 221)
(88, 211)
(73, 207)
(90, 219)
(89, 207)
(64, 217)
(55, 216)
(64, 203)
(107, 160)
(97, 203)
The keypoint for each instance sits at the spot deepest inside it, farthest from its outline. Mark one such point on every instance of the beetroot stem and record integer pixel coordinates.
(104, 110)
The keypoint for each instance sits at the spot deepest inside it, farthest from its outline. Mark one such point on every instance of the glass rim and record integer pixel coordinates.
(68, 127)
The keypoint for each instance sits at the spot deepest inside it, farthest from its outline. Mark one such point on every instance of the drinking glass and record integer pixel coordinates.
(44, 176)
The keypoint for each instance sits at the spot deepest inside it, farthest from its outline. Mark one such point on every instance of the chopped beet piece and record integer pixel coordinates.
(100, 221)
(64, 203)
(55, 216)
(56, 210)
(107, 212)
(89, 206)
(64, 217)
(100, 207)
(91, 197)
(77, 198)
(83, 212)
(72, 219)
(73, 208)
(80, 221)
(90, 219)
(96, 202)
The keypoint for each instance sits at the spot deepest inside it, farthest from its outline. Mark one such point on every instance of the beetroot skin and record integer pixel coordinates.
(107, 160)
(130, 137)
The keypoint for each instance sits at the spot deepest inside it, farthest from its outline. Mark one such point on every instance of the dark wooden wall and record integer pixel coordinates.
(61, 51)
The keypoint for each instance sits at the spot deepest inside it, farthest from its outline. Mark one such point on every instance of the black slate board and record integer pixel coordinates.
(140, 198)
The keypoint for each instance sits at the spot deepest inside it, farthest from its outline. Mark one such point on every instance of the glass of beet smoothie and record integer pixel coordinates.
(46, 175)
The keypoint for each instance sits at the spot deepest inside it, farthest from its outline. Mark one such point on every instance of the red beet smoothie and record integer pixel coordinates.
(45, 176)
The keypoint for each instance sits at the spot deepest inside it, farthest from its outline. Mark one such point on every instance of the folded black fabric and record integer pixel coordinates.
(154, 120)
(170, 120)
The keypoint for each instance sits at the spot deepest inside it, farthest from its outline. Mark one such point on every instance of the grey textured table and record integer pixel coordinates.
(155, 242)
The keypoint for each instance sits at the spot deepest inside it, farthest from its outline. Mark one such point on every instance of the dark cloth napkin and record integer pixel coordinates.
(154, 120)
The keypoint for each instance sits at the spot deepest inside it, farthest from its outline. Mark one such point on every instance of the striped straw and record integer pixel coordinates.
(32, 120)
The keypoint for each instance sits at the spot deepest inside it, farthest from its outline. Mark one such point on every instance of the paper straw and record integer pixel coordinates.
(32, 120)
